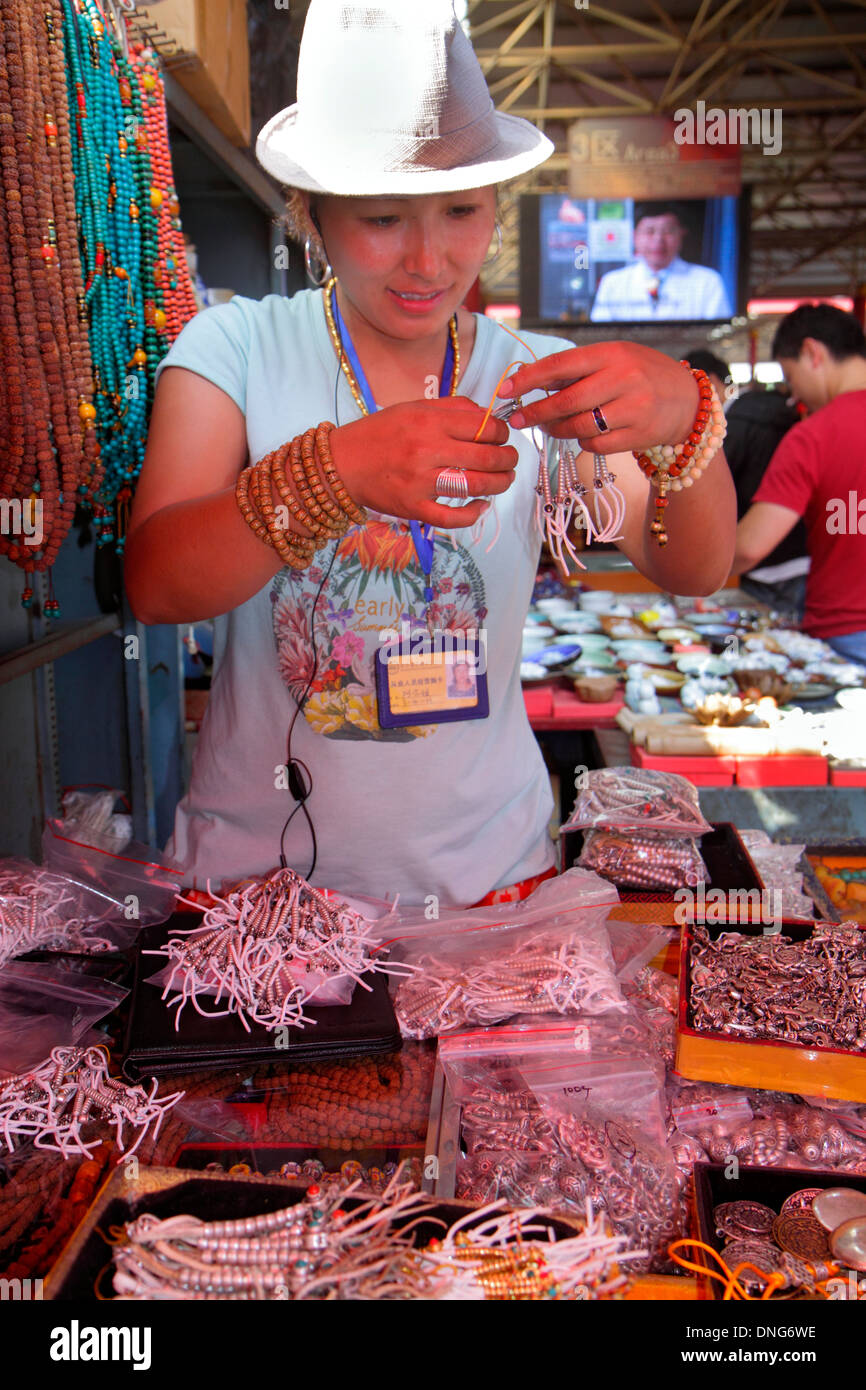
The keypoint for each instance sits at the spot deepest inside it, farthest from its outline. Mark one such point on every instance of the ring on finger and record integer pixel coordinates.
(452, 482)
(600, 422)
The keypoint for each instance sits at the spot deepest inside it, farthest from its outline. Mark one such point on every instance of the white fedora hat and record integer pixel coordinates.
(392, 101)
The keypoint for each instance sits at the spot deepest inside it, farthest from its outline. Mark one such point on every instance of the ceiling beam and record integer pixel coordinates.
(662, 47)
(685, 49)
(720, 52)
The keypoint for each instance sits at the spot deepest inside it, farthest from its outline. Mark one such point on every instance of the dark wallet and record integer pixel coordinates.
(154, 1047)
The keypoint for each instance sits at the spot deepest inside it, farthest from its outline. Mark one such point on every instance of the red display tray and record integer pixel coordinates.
(848, 776)
(710, 771)
(782, 771)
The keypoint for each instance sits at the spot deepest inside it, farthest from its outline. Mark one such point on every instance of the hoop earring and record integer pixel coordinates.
(325, 274)
(488, 260)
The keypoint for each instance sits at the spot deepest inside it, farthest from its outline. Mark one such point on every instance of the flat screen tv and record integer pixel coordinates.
(629, 261)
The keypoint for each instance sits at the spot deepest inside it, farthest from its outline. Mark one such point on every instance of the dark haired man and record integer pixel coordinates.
(658, 283)
(758, 420)
(818, 472)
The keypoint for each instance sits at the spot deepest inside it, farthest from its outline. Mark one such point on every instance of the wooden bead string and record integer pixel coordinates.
(672, 467)
(47, 457)
(317, 498)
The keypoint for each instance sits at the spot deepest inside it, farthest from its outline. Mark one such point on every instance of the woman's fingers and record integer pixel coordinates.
(477, 484)
(618, 400)
(449, 518)
(553, 372)
(479, 458)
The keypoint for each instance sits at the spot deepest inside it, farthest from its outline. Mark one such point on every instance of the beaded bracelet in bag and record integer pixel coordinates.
(672, 467)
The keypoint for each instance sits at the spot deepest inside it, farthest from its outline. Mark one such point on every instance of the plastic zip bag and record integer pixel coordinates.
(505, 1054)
(41, 910)
(486, 975)
(43, 1006)
(640, 799)
(633, 945)
(142, 887)
(562, 898)
(614, 1133)
(662, 862)
(89, 818)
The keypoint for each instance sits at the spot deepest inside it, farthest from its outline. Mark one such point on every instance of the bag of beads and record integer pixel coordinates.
(43, 1006)
(639, 799)
(41, 910)
(564, 898)
(484, 976)
(507, 1053)
(660, 862)
(136, 880)
(634, 1178)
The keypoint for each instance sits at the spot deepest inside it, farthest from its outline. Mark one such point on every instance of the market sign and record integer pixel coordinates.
(651, 157)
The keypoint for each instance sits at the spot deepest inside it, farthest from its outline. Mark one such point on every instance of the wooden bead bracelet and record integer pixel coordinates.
(316, 498)
(672, 467)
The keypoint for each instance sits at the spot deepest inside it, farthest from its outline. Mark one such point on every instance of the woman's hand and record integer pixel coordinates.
(646, 397)
(390, 461)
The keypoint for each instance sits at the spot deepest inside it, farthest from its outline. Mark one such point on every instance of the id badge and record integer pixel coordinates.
(417, 685)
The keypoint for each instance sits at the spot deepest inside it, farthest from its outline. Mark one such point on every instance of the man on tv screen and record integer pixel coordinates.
(658, 283)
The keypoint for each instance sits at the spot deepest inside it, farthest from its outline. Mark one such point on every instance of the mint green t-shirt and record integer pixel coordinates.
(452, 809)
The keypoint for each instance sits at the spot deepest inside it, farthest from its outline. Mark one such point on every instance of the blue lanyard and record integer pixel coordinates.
(422, 533)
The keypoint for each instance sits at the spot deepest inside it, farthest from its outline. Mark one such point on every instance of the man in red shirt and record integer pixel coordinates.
(818, 472)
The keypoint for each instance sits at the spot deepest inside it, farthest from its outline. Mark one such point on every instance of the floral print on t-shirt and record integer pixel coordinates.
(375, 584)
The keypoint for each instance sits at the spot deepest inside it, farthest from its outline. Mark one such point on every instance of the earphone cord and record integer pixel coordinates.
(295, 769)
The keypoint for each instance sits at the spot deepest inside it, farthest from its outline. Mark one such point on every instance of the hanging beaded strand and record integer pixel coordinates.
(171, 271)
(108, 214)
(125, 189)
(47, 377)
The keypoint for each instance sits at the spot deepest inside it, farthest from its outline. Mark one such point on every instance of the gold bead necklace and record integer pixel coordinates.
(330, 289)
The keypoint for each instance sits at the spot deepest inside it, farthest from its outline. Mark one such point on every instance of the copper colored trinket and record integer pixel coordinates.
(800, 1201)
(802, 1234)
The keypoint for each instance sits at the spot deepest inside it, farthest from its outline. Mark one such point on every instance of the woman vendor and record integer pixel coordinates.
(364, 404)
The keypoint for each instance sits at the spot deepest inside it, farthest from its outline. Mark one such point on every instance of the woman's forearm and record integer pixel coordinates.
(701, 524)
(195, 560)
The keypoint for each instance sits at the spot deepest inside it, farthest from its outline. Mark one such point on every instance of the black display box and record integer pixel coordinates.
(753, 1184)
(365, 1027)
(265, 1159)
(82, 1268)
(728, 862)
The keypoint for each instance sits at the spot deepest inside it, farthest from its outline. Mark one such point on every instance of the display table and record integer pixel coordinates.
(554, 706)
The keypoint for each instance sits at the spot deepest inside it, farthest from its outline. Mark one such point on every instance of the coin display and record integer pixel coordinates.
(802, 1234)
(754, 1252)
(800, 1201)
(753, 1217)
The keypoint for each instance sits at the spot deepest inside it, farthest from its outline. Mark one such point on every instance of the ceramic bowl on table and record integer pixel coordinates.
(592, 664)
(650, 652)
(577, 623)
(556, 655)
(677, 634)
(695, 665)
